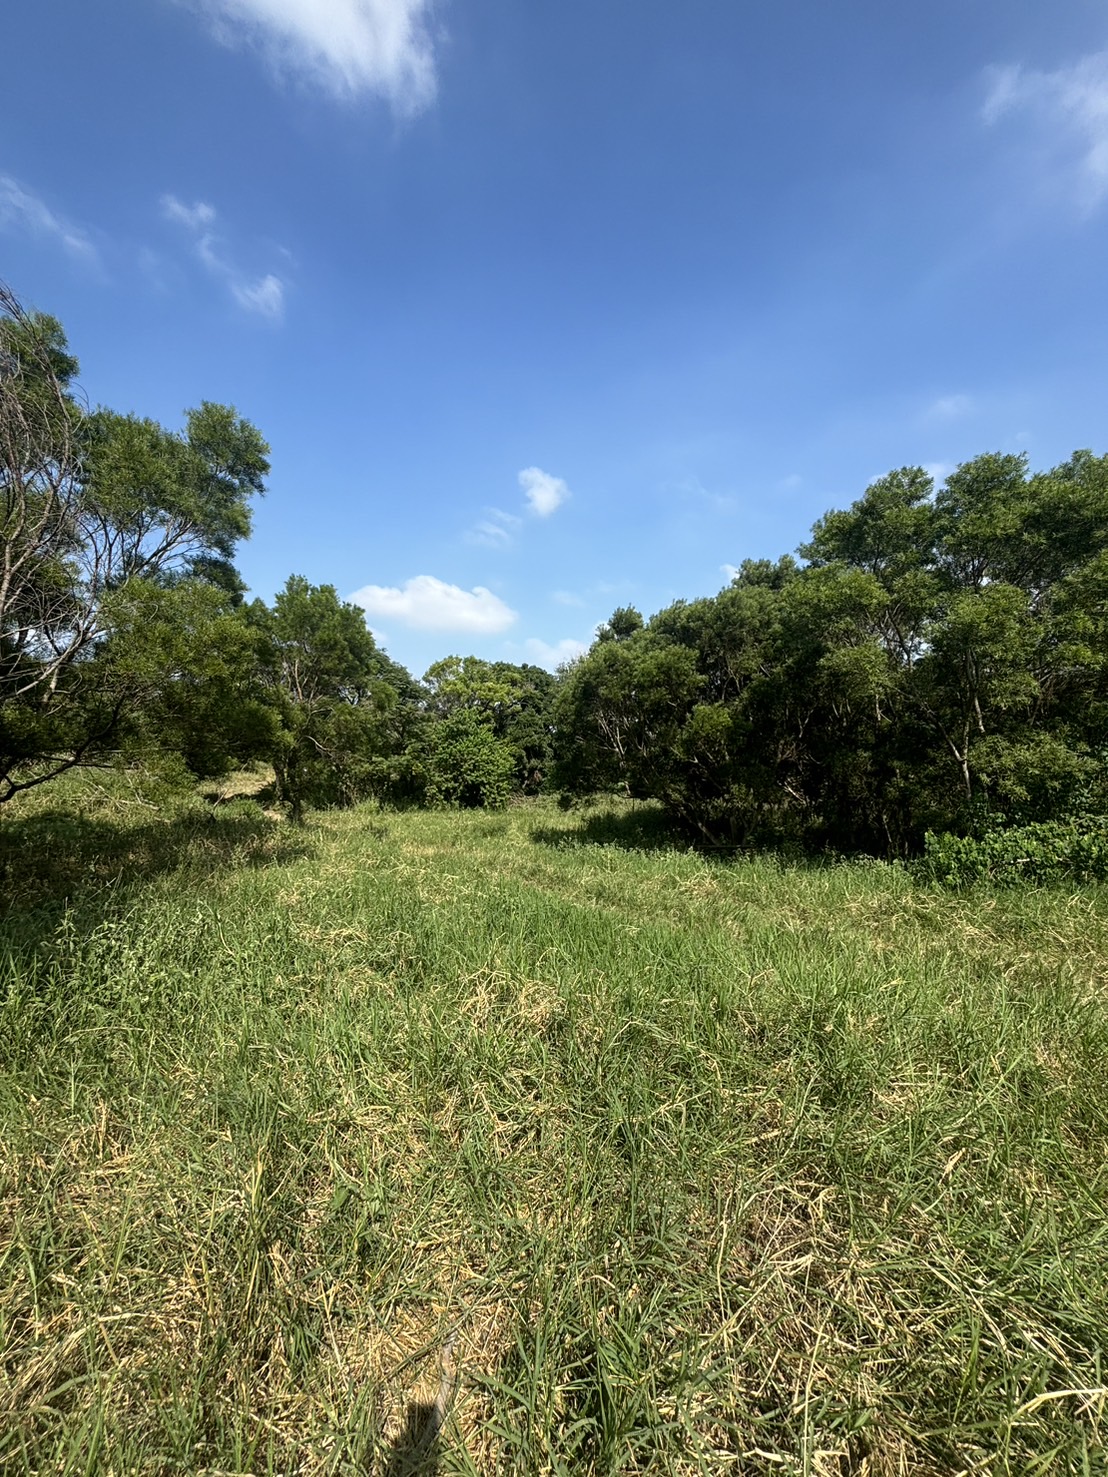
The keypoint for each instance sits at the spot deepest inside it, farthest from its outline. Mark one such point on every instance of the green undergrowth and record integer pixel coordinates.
(1048, 852)
(711, 1166)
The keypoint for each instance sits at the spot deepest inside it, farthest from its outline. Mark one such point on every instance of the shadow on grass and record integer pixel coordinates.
(415, 1452)
(57, 858)
(645, 828)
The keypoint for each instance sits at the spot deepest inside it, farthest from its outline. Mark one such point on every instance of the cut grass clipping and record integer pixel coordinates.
(696, 1167)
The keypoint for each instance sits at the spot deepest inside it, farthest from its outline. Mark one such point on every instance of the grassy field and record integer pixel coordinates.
(697, 1166)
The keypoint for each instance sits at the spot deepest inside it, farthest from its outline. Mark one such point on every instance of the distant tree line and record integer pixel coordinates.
(935, 661)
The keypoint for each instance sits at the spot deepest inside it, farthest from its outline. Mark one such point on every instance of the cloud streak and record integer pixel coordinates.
(1070, 110)
(425, 603)
(26, 214)
(262, 295)
(349, 48)
(496, 530)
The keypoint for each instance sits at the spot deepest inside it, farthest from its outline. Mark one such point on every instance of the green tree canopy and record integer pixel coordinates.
(93, 505)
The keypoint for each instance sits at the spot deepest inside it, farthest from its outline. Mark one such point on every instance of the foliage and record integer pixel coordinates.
(467, 765)
(516, 702)
(333, 693)
(941, 656)
(102, 514)
(1066, 851)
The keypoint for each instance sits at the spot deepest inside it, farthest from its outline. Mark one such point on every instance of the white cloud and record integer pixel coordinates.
(1070, 107)
(545, 655)
(729, 570)
(429, 604)
(347, 47)
(495, 531)
(949, 407)
(25, 213)
(264, 295)
(567, 597)
(544, 492)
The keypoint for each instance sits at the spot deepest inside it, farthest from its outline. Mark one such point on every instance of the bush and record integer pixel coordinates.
(1073, 850)
(468, 765)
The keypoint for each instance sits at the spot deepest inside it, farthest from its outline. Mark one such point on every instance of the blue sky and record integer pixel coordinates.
(546, 309)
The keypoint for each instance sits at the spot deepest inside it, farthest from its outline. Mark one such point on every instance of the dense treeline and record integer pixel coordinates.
(936, 661)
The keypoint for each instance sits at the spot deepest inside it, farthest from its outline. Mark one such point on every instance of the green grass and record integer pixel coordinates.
(712, 1166)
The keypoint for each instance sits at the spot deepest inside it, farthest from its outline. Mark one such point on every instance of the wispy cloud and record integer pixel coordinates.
(496, 530)
(1069, 108)
(425, 603)
(691, 490)
(567, 597)
(938, 471)
(545, 494)
(26, 214)
(196, 217)
(729, 570)
(266, 295)
(263, 295)
(552, 656)
(948, 408)
(349, 48)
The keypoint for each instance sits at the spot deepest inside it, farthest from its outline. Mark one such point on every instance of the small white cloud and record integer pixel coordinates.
(729, 571)
(496, 530)
(794, 479)
(22, 212)
(429, 604)
(1070, 110)
(263, 295)
(552, 657)
(949, 407)
(567, 597)
(545, 493)
(347, 47)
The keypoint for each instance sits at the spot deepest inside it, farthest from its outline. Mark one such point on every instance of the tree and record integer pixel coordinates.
(95, 507)
(622, 623)
(514, 702)
(467, 765)
(939, 663)
(342, 705)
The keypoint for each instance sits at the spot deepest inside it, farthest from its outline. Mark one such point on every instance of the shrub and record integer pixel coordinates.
(468, 765)
(1073, 850)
